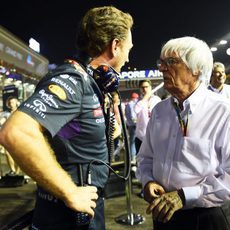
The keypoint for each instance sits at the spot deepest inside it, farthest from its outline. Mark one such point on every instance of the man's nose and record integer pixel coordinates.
(163, 67)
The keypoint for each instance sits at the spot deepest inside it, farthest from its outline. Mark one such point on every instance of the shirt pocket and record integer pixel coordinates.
(194, 156)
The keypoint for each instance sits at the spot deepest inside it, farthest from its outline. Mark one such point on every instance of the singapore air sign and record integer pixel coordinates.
(141, 74)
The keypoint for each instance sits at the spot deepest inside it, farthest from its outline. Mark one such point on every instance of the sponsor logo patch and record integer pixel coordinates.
(100, 120)
(38, 107)
(63, 84)
(48, 98)
(57, 90)
(66, 76)
(48, 197)
(95, 98)
(97, 112)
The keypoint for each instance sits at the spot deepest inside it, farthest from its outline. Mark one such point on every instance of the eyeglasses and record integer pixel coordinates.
(218, 73)
(145, 86)
(168, 61)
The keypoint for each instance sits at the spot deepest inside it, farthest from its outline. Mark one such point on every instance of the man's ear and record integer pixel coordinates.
(196, 73)
(115, 46)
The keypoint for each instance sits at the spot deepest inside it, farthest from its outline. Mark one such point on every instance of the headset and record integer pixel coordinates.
(107, 80)
(106, 77)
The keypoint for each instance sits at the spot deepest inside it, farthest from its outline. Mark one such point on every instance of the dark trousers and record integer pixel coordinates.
(132, 147)
(196, 219)
(138, 143)
(226, 209)
(52, 214)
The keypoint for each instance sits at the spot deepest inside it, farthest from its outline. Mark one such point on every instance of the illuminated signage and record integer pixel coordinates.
(29, 60)
(141, 74)
(14, 51)
(33, 44)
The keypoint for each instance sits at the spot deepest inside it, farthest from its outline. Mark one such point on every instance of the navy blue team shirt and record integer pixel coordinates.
(68, 104)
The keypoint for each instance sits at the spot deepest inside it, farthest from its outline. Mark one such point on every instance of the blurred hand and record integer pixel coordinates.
(83, 199)
(163, 207)
(152, 190)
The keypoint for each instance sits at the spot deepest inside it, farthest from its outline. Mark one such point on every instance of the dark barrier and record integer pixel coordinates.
(20, 223)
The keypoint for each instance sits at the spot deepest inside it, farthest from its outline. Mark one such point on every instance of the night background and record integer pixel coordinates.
(53, 24)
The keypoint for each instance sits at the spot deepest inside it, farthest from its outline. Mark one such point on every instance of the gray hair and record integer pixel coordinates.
(194, 52)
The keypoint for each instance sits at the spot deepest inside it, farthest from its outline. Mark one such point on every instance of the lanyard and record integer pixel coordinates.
(183, 122)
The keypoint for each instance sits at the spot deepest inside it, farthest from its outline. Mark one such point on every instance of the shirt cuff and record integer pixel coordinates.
(191, 194)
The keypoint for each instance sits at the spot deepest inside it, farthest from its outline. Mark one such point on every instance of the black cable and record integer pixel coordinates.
(107, 165)
(110, 129)
(127, 157)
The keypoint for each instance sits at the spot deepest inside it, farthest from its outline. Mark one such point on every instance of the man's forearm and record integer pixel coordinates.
(29, 148)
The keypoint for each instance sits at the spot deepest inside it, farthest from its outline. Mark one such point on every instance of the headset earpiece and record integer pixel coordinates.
(106, 78)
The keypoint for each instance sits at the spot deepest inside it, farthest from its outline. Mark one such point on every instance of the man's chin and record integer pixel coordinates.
(167, 86)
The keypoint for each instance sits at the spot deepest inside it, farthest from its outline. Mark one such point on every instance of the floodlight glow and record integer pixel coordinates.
(213, 49)
(223, 42)
(228, 51)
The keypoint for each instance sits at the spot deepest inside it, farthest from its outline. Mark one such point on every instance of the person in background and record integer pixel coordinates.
(218, 86)
(117, 135)
(218, 78)
(12, 104)
(57, 133)
(143, 109)
(184, 162)
(131, 119)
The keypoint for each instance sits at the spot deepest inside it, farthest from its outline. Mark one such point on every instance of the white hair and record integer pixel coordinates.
(194, 52)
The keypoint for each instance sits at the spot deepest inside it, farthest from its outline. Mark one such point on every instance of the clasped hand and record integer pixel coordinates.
(162, 205)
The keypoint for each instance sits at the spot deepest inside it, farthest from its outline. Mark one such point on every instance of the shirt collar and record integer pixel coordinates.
(214, 89)
(194, 99)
